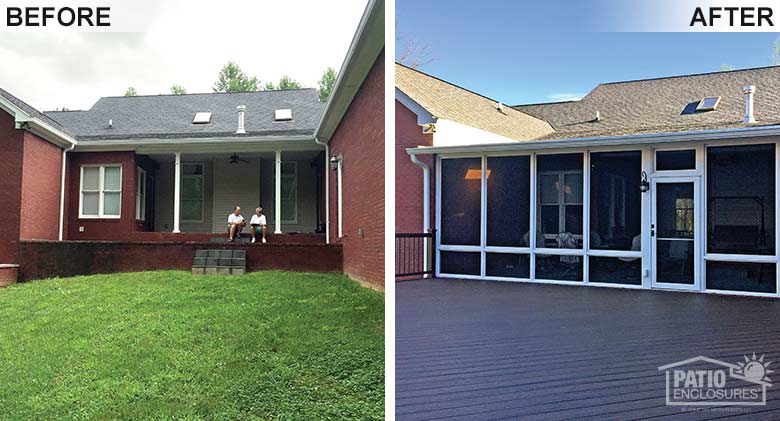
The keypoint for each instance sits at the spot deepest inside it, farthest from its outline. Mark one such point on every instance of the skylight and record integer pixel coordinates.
(709, 103)
(284, 114)
(202, 118)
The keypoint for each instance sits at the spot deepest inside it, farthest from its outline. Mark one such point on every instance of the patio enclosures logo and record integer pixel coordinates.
(702, 381)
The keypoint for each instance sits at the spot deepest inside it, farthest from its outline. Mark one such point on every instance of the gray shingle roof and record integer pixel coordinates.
(170, 116)
(659, 105)
(32, 112)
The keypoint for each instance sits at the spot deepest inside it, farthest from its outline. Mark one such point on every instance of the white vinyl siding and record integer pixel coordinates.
(235, 185)
(100, 191)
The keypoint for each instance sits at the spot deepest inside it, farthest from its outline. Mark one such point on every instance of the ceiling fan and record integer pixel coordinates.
(235, 159)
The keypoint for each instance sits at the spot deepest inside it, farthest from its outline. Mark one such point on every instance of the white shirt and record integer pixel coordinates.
(257, 220)
(234, 219)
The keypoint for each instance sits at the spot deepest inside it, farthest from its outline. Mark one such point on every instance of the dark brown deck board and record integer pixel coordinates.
(491, 350)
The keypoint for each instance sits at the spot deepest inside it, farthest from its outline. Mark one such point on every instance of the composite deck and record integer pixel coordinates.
(492, 350)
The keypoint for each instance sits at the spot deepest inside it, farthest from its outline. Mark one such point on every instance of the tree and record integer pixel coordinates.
(178, 90)
(131, 92)
(232, 79)
(327, 82)
(727, 68)
(775, 57)
(285, 83)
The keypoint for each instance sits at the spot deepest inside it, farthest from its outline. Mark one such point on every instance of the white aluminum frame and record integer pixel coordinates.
(647, 203)
(697, 233)
(100, 191)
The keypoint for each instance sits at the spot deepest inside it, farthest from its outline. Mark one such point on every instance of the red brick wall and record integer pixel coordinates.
(11, 149)
(102, 229)
(8, 276)
(41, 177)
(44, 259)
(409, 177)
(361, 139)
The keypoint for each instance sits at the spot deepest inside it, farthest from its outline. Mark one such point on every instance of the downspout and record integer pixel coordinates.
(62, 190)
(327, 189)
(426, 205)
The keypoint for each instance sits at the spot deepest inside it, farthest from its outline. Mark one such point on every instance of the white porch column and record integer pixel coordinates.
(278, 194)
(177, 192)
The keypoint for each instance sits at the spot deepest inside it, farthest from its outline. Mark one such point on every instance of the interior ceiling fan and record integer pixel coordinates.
(235, 159)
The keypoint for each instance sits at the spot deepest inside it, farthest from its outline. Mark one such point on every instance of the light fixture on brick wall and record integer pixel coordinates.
(335, 161)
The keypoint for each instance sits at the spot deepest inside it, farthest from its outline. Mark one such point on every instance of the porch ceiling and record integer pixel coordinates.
(286, 155)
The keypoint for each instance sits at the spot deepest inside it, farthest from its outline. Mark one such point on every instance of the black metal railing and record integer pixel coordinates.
(414, 254)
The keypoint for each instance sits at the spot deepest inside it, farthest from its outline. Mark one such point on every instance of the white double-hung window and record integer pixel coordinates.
(101, 191)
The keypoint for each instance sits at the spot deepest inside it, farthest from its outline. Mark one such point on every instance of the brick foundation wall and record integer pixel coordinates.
(409, 177)
(121, 229)
(44, 259)
(41, 178)
(8, 276)
(11, 149)
(360, 138)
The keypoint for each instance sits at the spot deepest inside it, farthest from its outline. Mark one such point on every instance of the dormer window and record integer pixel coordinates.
(202, 118)
(284, 114)
(709, 103)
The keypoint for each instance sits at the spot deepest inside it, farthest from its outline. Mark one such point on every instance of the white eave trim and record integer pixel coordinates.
(208, 144)
(365, 41)
(423, 116)
(37, 126)
(650, 138)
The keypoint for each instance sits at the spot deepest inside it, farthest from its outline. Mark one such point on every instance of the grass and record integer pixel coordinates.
(168, 345)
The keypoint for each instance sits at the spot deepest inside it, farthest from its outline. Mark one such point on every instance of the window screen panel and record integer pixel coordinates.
(461, 191)
(508, 203)
(741, 199)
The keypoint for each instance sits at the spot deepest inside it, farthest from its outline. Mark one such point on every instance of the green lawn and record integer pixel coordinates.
(168, 345)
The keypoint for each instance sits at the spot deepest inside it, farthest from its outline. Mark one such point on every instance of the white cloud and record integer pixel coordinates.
(186, 43)
(560, 97)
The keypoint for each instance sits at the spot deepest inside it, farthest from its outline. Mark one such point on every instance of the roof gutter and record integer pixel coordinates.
(718, 134)
(206, 144)
(366, 45)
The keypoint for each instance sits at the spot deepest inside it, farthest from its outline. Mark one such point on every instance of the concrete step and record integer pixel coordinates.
(219, 262)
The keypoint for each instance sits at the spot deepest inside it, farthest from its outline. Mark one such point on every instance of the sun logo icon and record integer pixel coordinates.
(754, 369)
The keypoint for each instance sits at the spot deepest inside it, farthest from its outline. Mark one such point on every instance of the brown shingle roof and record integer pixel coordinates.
(450, 102)
(658, 105)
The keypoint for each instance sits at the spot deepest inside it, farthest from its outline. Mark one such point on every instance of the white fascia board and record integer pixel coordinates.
(36, 125)
(368, 42)
(450, 133)
(652, 138)
(423, 116)
(200, 145)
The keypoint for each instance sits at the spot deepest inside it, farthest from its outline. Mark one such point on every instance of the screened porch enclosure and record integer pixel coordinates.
(696, 217)
(211, 185)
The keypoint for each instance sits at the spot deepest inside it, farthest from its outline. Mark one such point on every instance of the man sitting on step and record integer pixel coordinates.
(258, 224)
(236, 223)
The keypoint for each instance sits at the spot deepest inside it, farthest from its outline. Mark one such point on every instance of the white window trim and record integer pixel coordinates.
(295, 181)
(140, 194)
(202, 178)
(101, 192)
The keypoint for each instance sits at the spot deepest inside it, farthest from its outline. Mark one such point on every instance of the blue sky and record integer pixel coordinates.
(541, 51)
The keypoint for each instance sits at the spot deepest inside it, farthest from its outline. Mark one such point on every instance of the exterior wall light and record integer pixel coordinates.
(335, 161)
(644, 186)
